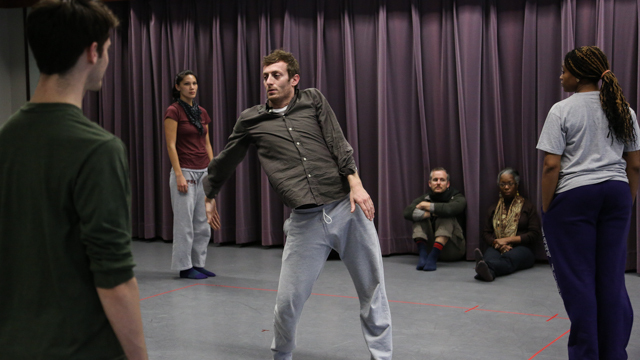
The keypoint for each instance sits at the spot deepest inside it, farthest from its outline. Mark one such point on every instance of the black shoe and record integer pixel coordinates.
(478, 255)
(483, 271)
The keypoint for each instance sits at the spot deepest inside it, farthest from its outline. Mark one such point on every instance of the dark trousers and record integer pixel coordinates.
(586, 231)
(518, 258)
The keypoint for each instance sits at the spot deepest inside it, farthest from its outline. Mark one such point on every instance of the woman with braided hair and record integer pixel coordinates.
(187, 135)
(589, 182)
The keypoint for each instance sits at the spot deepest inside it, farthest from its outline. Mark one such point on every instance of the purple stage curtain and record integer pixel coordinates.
(415, 84)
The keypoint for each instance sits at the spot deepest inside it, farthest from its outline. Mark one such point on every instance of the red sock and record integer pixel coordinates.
(437, 245)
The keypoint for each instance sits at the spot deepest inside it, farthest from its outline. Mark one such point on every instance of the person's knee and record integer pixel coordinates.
(445, 227)
(421, 229)
(443, 231)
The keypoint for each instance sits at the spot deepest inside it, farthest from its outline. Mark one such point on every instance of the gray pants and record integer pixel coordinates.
(191, 233)
(311, 234)
(448, 227)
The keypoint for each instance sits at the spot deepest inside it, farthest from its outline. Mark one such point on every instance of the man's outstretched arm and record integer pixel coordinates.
(122, 306)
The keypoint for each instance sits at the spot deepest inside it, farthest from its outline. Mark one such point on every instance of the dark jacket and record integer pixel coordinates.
(528, 226)
(455, 207)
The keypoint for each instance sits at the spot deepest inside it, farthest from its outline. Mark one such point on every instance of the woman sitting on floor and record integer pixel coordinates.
(511, 231)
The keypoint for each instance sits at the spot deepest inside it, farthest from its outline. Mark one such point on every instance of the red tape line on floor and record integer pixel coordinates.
(558, 338)
(473, 308)
(391, 301)
(166, 292)
(476, 308)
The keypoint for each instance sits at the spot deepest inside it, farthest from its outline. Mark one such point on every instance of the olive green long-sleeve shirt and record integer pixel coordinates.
(65, 229)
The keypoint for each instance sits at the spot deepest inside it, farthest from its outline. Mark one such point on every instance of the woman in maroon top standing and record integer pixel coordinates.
(187, 135)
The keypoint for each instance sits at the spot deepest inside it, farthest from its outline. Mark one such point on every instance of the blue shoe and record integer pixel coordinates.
(205, 271)
(192, 274)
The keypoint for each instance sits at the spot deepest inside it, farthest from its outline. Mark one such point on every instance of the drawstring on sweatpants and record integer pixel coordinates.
(326, 217)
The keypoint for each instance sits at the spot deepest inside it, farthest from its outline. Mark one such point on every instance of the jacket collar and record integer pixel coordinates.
(266, 109)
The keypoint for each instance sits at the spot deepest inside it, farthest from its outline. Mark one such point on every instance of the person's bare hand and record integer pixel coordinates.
(213, 218)
(505, 248)
(424, 205)
(361, 197)
(181, 182)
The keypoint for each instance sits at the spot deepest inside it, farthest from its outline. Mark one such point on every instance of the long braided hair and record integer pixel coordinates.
(590, 64)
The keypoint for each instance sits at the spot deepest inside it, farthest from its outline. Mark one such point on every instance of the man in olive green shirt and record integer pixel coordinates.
(67, 286)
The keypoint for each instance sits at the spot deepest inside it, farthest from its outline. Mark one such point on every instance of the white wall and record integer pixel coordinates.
(13, 79)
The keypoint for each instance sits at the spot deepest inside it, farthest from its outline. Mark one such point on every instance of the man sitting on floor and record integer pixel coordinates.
(436, 218)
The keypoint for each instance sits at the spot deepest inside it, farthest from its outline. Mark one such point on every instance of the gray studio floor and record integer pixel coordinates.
(440, 315)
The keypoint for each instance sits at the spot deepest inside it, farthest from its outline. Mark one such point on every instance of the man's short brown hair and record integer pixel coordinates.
(59, 31)
(280, 55)
(439, 169)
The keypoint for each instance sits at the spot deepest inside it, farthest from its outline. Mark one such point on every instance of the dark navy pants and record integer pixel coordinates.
(518, 258)
(585, 232)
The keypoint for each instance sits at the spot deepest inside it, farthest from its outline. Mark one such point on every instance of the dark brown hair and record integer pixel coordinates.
(175, 93)
(280, 55)
(59, 31)
(590, 64)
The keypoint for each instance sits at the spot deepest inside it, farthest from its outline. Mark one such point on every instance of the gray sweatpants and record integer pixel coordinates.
(191, 233)
(311, 234)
